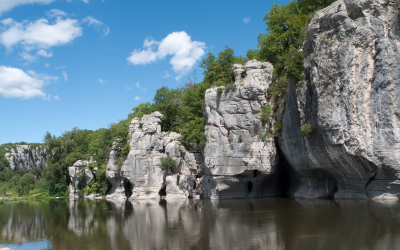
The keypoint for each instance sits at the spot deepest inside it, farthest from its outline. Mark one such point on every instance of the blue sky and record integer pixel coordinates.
(87, 63)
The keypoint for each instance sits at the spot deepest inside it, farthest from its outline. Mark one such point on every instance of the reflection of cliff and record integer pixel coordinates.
(273, 223)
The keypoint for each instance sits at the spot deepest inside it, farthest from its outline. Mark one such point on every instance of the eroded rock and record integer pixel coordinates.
(352, 103)
(237, 163)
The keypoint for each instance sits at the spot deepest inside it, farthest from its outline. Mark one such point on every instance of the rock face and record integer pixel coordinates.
(25, 157)
(139, 175)
(80, 170)
(352, 103)
(237, 163)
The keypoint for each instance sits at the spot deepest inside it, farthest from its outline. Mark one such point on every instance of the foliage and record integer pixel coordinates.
(265, 114)
(219, 91)
(278, 127)
(27, 183)
(178, 177)
(167, 163)
(125, 150)
(307, 129)
(286, 32)
(263, 136)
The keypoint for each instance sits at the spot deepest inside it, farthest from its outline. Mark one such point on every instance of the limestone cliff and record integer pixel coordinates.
(138, 175)
(26, 157)
(351, 103)
(238, 163)
(80, 175)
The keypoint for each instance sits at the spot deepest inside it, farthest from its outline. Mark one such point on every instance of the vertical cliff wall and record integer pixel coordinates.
(27, 157)
(139, 176)
(238, 163)
(351, 104)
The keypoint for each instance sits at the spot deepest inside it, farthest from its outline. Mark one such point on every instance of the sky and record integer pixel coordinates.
(87, 63)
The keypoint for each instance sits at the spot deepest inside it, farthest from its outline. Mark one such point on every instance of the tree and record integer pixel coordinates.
(27, 182)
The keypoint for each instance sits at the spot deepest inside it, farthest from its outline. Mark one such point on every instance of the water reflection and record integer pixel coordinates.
(272, 223)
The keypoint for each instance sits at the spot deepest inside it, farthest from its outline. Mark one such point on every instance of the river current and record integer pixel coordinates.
(269, 223)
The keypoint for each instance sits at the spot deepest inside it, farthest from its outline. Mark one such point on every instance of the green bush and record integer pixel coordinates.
(278, 127)
(167, 163)
(265, 114)
(125, 150)
(263, 137)
(178, 177)
(219, 91)
(307, 129)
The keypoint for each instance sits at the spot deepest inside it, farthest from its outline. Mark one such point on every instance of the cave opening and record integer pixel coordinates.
(163, 191)
(249, 187)
(128, 188)
(287, 177)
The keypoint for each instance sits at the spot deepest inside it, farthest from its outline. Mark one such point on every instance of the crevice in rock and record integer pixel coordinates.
(288, 180)
(163, 191)
(128, 188)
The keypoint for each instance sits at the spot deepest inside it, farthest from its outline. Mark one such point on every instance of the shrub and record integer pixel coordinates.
(167, 163)
(278, 127)
(178, 177)
(263, 137)
(307, 129)
(219, 91)
(265, 114)
(126, 149)
(147, 191)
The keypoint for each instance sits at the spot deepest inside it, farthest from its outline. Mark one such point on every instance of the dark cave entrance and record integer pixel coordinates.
(128, 188)
(287, 177)
(249, 187)
(163, 191)
(326, 182)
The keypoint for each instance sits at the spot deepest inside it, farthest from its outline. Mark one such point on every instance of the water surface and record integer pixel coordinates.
(270, 223)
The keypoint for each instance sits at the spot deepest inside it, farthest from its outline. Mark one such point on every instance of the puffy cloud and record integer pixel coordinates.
(246, 19)
(85, 1)
(6, 5)
(185, 52)
(56, 98)
(98, 25)
(40, 34)
(101, 81)
(65, 75)
(137, 98)
(15, 83)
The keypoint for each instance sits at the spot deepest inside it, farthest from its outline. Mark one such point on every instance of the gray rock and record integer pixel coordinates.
(237, 163)
(140, 176)
(25, 157)
(77, 170)
(351, 101)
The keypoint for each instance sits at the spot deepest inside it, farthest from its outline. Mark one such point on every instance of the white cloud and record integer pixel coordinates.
(185, 52)
(27, 56)
(137, 85)
(137, 98)
(128, 88)
(246, 19)
(65, 75)
(101, 81)
(98, 25)
(47, 65)
(55, 13)
(6, 5)
(15, 83)
(40, 34)
(56, 98)
(85, 1)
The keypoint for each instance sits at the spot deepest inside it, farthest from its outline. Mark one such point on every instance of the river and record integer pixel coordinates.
(268, 223)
